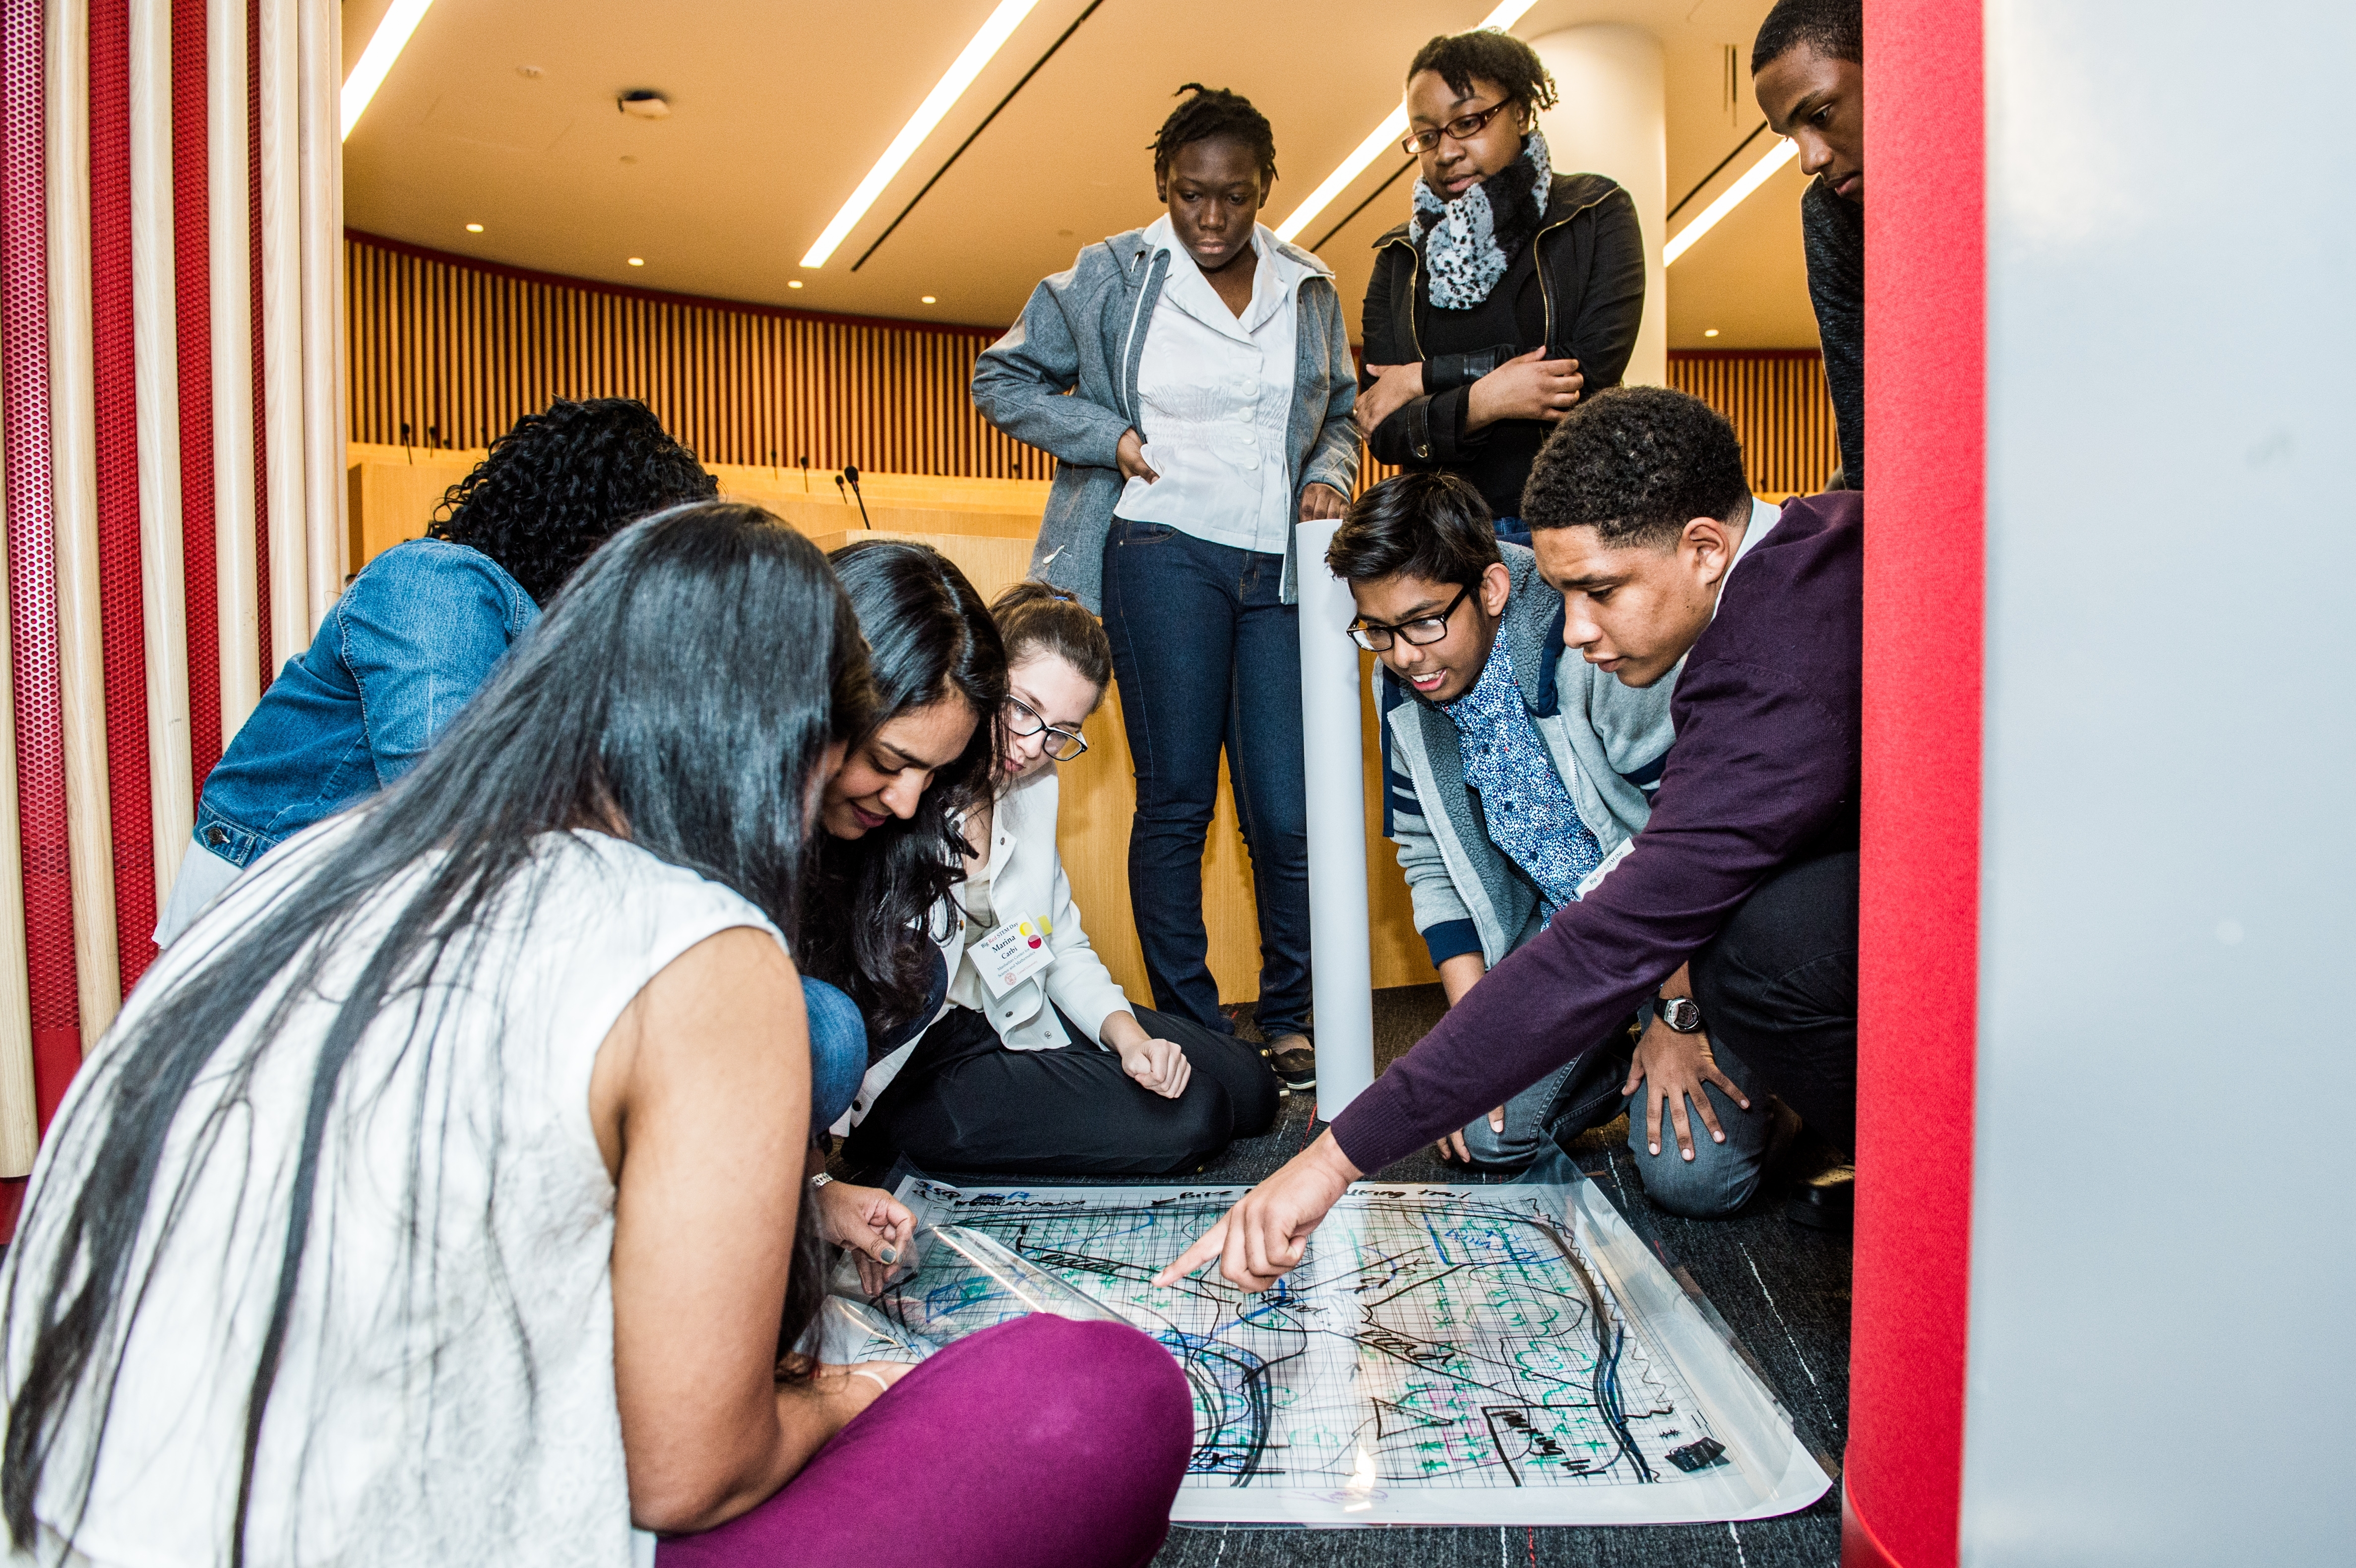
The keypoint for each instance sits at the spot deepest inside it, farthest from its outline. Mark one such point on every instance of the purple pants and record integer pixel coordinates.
(1042, 1443)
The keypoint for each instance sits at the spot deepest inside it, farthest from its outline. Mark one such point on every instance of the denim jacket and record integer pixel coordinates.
(413, 638)
(1083, 333)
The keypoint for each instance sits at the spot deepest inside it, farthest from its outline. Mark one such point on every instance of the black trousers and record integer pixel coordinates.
(1779, 986)
(965, 1103)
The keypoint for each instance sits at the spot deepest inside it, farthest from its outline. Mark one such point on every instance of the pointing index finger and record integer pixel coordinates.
(1207, 1246)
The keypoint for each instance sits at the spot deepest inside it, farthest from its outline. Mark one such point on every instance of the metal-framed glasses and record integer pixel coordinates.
(1463, 128)
(1423, 631)
(1023, 720)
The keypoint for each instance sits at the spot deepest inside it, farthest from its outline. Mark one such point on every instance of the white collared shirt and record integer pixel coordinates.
(1214, 394)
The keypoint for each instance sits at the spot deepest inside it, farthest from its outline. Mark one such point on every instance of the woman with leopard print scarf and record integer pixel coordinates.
(1509, 294)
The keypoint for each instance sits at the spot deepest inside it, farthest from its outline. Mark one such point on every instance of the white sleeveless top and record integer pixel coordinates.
(446, 1396)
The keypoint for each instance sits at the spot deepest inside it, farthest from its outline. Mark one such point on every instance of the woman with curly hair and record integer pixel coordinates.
(419, 631)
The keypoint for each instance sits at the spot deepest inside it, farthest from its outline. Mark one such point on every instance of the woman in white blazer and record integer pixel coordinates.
(1038, 1064)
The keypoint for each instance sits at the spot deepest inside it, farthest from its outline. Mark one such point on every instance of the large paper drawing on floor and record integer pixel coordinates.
(1443, 1355)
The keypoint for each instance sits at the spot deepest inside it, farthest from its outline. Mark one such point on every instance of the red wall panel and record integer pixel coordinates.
(32, 570)
(1919, 906)
(121, 615)
(192, 276)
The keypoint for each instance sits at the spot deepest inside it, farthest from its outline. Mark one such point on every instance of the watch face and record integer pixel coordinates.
(1682, 1014)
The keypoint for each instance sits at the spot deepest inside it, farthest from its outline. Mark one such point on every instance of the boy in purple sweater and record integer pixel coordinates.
(1746, 872)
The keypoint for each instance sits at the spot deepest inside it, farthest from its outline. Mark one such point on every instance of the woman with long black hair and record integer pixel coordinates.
(879, 921)
(1039, 1064)
(439, 1198)
(1210, 382)
(1510, 293)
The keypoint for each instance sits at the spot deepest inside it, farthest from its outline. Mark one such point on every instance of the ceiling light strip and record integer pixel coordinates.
(975, 134)
(384, 46)
(1782, 153)
(1390, 132)
(937, 103)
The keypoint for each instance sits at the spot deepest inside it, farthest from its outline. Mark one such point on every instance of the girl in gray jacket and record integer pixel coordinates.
(1210, 385)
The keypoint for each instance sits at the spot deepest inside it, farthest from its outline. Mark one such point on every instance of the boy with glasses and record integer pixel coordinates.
(1515, 774)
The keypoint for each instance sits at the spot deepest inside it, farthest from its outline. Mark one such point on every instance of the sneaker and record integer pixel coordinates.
(1294, 1059)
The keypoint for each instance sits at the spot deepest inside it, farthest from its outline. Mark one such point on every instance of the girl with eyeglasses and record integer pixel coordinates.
(1039, 1064)
(1509, 294)
(1209, 379)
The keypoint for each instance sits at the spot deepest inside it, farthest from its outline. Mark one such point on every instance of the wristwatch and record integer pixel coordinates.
(1682, 1014)
(821, 1179)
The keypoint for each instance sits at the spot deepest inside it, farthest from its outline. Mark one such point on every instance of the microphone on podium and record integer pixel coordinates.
(851, 472)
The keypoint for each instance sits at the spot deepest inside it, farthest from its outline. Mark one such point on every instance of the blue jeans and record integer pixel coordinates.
(1585, 1092)
(1209, 656)
(838, 1038)
(1721, 1177)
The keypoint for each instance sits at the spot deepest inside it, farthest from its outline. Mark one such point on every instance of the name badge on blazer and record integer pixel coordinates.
(1012, 953)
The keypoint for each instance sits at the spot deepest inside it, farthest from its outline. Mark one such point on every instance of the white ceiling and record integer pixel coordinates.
(780, 110)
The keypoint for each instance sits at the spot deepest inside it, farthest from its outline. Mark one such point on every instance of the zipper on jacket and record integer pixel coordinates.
(1413, 287)
(1121, 374)
(1537, 264)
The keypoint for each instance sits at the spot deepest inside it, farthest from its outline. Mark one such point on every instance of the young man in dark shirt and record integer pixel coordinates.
(1747, 866)
(1808, 69)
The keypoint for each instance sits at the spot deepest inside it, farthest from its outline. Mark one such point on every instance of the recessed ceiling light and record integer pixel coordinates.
(474, 228)
(638, 260)
(793, 282)
(930, 300)
(946, 92)
(1709, 332)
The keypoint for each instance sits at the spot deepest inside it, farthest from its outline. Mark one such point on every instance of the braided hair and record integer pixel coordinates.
(1497, 57)
(1214, 112)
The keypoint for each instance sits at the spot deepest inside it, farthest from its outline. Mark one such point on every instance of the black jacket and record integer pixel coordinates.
(1834, 232)
(1577, 288)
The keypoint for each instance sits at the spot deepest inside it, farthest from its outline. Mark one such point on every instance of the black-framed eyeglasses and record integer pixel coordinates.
(1023, 720)
(1463, 128)
(1423, 631)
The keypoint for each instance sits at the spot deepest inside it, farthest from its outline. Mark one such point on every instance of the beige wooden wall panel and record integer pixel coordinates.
(462, 350)
(1778, 403)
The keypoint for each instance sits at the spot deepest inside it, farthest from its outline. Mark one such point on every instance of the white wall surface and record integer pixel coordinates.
(2163, 1336)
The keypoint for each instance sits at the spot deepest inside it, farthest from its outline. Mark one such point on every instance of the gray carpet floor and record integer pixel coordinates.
(1782, 1289)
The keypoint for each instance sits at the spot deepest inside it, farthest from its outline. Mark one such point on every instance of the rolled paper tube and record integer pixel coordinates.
(1340, 961)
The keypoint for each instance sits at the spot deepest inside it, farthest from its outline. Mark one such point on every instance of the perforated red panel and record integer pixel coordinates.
(121, 620)
(254, 272)
(192, 269)
(32, 562)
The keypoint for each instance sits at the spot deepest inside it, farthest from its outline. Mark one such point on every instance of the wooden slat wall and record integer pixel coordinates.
(463, 349)
(1777, 403)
